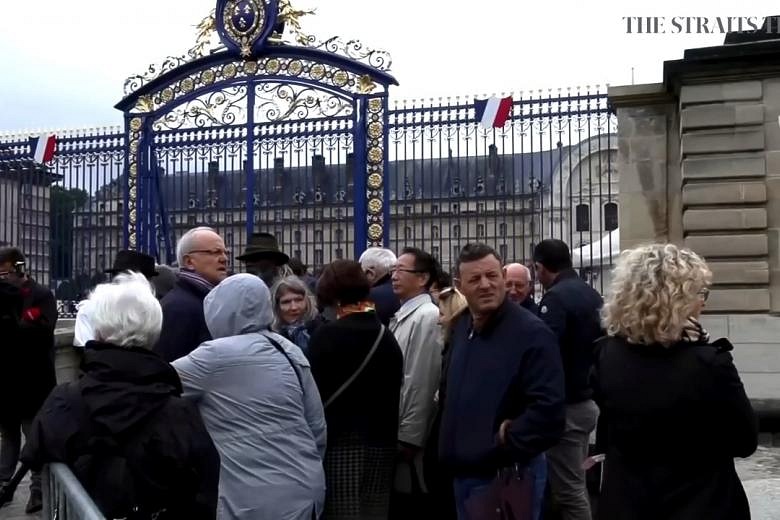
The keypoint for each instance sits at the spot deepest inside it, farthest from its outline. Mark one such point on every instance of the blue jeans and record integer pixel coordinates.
(465, 487)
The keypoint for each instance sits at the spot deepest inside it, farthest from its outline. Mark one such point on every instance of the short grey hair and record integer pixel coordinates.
(184, 246)
(126, 312)
(378, 258)
(295, 285)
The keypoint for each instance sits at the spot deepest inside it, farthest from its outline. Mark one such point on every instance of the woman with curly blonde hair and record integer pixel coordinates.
(674, 413)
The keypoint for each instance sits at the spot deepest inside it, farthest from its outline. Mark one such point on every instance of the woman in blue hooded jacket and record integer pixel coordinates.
(261, 407)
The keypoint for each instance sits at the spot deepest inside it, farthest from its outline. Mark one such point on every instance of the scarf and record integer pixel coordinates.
(195, 279)
(298, 334)
(693, 332)
(345, 310)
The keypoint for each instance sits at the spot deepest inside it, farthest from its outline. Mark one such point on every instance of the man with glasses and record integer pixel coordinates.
(203, 263)
(416, 328)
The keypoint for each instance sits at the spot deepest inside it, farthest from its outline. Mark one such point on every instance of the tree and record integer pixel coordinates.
(63, 204)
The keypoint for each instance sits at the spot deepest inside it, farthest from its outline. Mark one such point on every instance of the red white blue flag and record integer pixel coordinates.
(42, 147)
(492, 112)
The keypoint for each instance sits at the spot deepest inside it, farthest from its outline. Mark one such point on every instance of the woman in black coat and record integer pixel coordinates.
(137, 447)
(674, 413)
(362, 415)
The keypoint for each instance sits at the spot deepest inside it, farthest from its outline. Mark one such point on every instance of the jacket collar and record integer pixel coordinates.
(409, 306)
(563, 275)
(492, 321)
(386, 279)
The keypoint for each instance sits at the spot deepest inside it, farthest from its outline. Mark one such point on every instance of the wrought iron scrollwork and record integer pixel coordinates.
(277, 102)
(154, 71)
(353, 49)
(223, 107)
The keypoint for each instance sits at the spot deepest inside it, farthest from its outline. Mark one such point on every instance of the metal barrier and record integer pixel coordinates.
(64, 497)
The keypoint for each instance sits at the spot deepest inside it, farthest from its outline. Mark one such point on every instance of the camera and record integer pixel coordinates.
(19, 268)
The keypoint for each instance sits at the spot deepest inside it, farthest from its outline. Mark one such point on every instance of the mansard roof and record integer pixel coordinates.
(411, 179)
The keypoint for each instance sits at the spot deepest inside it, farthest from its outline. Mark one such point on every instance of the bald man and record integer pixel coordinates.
(518, 286)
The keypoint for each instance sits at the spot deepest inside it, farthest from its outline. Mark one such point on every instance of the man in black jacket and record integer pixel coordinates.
(202, 259)
(504, 404)
(570, 307)
(28, 314)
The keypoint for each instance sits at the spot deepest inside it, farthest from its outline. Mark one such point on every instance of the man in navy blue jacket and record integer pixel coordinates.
(504, 401)
(570, 307)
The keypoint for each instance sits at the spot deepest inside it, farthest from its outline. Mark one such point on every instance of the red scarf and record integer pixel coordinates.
(345, 310)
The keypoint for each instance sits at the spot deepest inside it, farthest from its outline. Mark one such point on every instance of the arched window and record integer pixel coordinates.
(610, 216)
(435, 231)
(582, 217)
(407, 233)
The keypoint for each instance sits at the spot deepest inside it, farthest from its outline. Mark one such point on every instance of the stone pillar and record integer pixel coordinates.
(647, 139)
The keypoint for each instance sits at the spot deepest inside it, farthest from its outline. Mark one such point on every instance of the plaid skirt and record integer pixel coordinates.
(359, 479)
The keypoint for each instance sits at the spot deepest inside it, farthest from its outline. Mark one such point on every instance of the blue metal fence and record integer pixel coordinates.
(549, 172)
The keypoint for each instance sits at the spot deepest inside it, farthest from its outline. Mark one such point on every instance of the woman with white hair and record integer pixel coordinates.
(674, 413)
(138, 448)
(261, 406)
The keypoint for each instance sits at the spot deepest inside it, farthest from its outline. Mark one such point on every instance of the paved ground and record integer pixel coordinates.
(15, 510)
(760, 475)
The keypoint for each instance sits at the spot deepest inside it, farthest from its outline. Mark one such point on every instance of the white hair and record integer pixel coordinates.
(378, 258)
(126, 312)
(524, 269)
(184, 246)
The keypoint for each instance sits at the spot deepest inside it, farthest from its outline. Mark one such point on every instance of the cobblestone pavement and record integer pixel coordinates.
(760, 475)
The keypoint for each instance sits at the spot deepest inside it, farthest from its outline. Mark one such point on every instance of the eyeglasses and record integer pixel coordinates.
(704, 294)
(211, 252)
(402, 270)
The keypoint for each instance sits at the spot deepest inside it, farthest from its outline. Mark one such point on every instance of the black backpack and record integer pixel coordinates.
(108, 471)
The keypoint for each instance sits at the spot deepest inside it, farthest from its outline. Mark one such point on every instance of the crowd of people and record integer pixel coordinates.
(384, 388)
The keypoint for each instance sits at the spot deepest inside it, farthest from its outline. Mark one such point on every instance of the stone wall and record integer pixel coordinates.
(723, 158)
(756, 354)
(67, 358)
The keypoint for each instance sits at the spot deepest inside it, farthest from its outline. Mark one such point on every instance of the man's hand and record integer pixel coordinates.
(502, 431)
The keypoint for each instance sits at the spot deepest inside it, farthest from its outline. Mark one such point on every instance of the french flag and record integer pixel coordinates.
(493, 112)
(42, 147)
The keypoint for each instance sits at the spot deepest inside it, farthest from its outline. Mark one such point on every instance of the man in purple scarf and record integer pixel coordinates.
(203, 263)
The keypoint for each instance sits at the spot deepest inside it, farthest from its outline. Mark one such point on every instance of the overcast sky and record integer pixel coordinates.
(63, 62)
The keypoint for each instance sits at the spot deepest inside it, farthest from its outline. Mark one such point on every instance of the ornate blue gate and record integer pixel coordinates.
(259, 135)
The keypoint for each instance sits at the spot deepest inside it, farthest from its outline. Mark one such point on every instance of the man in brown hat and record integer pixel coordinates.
(263, 257)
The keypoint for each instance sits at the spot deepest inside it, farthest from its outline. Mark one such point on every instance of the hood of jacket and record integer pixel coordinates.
(241, 304)
(123, 386)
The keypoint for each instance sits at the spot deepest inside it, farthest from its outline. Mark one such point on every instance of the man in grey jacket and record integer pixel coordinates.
(261, 407)
(416, 328)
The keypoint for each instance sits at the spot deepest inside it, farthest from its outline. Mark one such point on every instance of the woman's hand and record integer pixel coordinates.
(502, 431)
